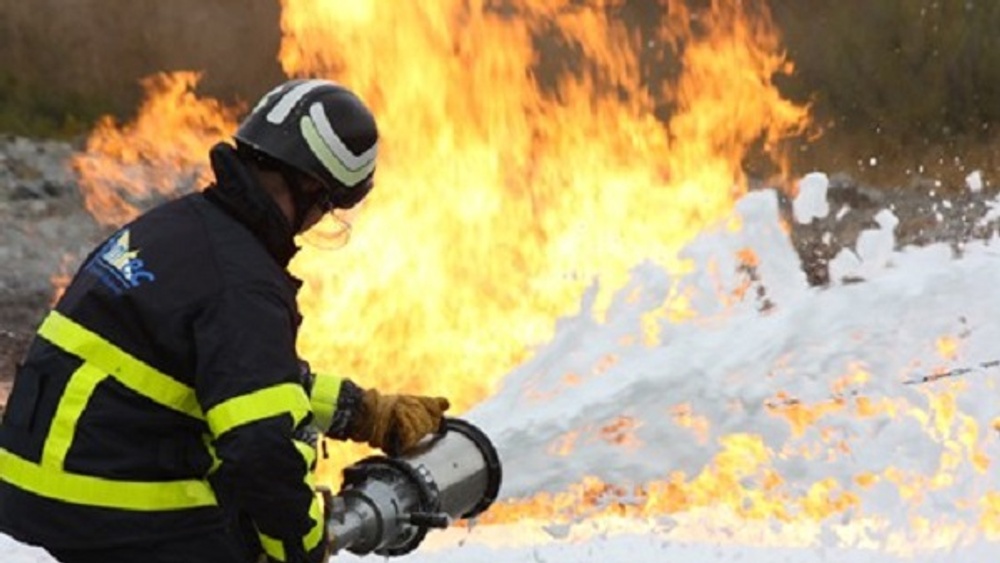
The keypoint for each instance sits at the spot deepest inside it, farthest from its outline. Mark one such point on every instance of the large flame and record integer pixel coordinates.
(125, 169)
(510, 180)
(500, 198)
(502, 193)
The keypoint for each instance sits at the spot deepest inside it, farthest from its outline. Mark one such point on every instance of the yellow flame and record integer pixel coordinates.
(501, 195)
(125, 167)
(947, 347)
(507, 186)
(504, 192)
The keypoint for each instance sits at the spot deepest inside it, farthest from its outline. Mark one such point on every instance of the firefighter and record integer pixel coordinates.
(162, 414)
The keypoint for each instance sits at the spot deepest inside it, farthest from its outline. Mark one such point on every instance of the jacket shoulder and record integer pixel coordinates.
(209, 243)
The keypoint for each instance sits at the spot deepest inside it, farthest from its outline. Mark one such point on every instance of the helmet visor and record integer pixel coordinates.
(332, 231)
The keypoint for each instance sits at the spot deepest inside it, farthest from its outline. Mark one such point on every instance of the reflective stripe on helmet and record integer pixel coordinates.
(363, 161)
(266, 98)
(55, 483)
(138, 376)
(281, 110)
(348, 168)
(320, 128)
(286, 398)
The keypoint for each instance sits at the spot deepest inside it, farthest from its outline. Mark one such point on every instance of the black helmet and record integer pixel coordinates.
(320, 128)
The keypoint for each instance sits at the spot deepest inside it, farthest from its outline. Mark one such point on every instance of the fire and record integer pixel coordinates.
(512, 180)
(742, 484)
(495, 209)
(502, 194)
(683, 416)
(947, 347)
(163, 151)
(60, 280)
(740, 479)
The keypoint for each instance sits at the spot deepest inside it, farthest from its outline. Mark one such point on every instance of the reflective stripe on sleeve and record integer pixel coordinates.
(315, 535)
(324, 396)
(308, 453)
(280, 399)
(274, 547)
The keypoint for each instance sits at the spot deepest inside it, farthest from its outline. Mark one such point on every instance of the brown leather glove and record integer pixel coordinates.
(395, 423)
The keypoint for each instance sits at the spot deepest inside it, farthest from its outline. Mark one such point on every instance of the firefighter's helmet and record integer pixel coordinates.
(320, 128)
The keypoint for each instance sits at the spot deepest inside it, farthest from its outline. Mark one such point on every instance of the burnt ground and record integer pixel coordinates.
(45, 232)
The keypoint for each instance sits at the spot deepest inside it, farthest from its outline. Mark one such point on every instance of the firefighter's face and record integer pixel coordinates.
(315, 192)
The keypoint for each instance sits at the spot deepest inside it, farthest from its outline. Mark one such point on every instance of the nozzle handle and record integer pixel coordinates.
(429, 519)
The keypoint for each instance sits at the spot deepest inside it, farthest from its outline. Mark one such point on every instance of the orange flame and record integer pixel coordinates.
(500, 198)
(495, 209)
(124, 170)
(60, 280)
(503, 193)
(509, 182)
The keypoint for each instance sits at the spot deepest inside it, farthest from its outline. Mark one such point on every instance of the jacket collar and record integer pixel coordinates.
(239, 194)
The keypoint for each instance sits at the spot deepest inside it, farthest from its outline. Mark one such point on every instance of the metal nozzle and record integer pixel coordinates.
(387, 504)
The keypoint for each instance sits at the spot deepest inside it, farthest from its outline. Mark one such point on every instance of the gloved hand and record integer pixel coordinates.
(395, 423)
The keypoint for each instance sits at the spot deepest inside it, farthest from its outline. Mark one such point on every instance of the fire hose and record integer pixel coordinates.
(387, 505)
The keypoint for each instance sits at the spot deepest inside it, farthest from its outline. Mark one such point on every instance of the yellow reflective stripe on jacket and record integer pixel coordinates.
(325, 392)
(275, 549)
(272, 547)
(102, 360)
(210, 447)
(315, 535)
(265, 403)
(95, 491)
(74, 400)
(308, 453)
(129, 371)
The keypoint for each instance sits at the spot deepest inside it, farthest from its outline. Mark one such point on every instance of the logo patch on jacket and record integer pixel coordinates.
(118, 265)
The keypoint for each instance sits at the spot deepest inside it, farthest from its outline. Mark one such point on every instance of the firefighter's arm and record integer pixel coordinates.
(267, 462)
(257, 413)
(344, 411)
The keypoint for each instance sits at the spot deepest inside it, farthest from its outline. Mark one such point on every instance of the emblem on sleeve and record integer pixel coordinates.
(118, 265)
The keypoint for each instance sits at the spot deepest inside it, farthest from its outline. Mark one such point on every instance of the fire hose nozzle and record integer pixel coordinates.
(387, 504)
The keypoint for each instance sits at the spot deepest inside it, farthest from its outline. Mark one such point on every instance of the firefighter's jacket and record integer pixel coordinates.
(165, 383)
